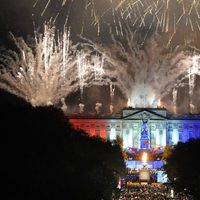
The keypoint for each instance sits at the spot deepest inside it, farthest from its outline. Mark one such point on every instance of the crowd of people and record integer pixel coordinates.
(133, 175)
(145, 192)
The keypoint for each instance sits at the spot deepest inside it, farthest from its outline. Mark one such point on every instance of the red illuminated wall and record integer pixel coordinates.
(94, 127)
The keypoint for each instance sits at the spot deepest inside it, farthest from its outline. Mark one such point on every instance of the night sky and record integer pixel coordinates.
(18, 17)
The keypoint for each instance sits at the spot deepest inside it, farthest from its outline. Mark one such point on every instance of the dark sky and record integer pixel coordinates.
(17, 16)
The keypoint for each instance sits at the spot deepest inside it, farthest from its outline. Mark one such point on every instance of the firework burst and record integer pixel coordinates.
(45, 74)
(146, 74)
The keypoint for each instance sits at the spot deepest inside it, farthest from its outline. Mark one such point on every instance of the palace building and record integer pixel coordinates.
(141, 128)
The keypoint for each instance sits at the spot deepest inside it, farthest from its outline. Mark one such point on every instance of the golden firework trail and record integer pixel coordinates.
(170, 17)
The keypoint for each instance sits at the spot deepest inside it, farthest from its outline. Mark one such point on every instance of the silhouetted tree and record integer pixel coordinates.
(168, 150)
(183, 167)
(44, 157)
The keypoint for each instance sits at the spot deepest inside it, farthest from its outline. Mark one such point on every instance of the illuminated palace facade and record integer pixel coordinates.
(141, 128)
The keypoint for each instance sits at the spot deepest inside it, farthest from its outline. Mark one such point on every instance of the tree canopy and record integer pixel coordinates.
(44, 157)
(183, 167)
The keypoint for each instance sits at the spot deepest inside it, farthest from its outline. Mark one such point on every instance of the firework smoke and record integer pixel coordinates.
(50, 71)
(145, 74)
(193, 71)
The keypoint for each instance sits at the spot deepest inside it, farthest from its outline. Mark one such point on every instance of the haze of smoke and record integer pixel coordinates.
(50, 71)
(145, 74)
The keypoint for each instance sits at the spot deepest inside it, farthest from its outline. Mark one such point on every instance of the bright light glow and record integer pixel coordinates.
(159, 103)
(172, 193)
(125, 139)
(112, 134)
(144, 157)
(129, 102)
(193, 71)
(175, 137)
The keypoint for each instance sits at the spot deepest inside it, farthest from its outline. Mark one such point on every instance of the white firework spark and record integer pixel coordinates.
(50, 71)
(145, 75)
(193, 71)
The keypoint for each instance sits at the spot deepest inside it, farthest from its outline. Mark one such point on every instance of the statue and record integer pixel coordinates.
(81, 108)
(111, 109)
(98, 107)
(144, 124)
(144, 140)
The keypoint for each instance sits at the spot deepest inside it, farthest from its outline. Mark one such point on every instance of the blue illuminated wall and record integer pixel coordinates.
(136, 164)
(182, 130)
